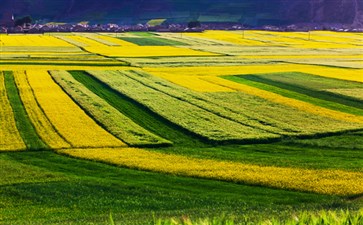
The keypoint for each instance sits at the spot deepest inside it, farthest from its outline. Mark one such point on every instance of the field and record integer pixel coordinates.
(128, 128)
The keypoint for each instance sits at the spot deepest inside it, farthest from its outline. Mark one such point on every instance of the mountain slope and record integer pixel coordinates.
(253, 12)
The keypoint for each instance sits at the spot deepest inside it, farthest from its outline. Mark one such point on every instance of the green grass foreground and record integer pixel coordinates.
(46, 188)
(320, 218)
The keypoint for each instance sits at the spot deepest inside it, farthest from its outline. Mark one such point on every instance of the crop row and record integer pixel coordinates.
(334, 182)
(263, 38)
(32, 40)
(237, 113)
(115, 122)
(185, 114)
(235, 83)
(24, 126)
(320, 84)
(243, 108)
(68, 119)
(10, 139)
(146, 51)
(41, 123)
(137, 112)
(330, 72)
(292, 88)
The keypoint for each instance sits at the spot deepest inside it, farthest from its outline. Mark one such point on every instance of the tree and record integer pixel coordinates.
(23, 21)
(194, 24)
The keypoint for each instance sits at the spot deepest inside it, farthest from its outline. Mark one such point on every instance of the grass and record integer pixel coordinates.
(143, 34)
(311, 218)
(293, 93)
(67, 190)
(136, 112)
(25, 127)
(152, 41)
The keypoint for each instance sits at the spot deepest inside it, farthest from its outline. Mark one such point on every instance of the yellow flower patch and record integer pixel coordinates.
(39, 120)
(69, 120)
(146, 51)
(10, 139)
(333, 182)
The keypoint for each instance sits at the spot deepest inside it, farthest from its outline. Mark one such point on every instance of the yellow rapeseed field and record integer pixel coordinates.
(146, 51)
(228, 37)
(86, 41)
(10, 139)
(268, 38)
(32, 40)
(296, 40)
(61, 67)
(335, 182)
(196, 83)
(39, 120)
(331, 72)
(69, 120)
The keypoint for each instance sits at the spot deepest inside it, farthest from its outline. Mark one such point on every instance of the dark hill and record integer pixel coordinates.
(253, 12)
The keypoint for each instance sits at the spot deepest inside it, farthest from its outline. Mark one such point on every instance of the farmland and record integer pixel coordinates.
(248, 125)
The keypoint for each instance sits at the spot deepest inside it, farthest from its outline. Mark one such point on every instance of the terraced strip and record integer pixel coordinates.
(146, 51)
(344, 37)
(138, 113)
(191, 41)
(152, 41)
(312, 81)
(39, 49)
(72, 41)
(196, 83)
(341, 63)
(181, 113)
(234, 83)
(330, 72)
(111, 119)
(74, 63)
(192, 61)
(287, 39)
(219, 108)
(322, 99)
(41, 123)
(25, 127)
(355, 93)
(115, 41)
(10, 139)
(268, 51)
(32, 41)
(242, 108)
(96, 38)
(61, 67)
(331, 182)
(85, 41)
(316, 86)
(232, 38)
(319, 37)
(68, 119)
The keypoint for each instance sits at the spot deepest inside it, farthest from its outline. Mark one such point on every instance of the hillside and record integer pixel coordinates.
(126, 128)
(250, 12)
